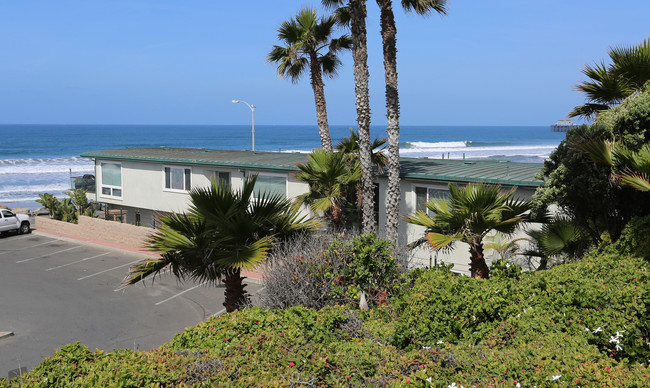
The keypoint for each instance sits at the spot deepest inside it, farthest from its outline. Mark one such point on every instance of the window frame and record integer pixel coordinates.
(185, 189)
(214, 174)
(272, 174)
(112, 188)
(428, 187)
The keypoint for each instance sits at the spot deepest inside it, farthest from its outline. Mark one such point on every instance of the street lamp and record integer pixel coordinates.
(252, 120)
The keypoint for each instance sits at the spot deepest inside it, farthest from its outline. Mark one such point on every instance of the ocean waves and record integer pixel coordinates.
(477, 150)
(45, 165)
(22, 180)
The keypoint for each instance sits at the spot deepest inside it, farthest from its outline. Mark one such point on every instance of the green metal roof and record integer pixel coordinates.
(275, 161)
(489, 171)
(438, 170)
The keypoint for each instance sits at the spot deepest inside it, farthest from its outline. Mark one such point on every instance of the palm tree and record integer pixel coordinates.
(389, 40)
(505, 247)
(559, 237)
(350, 146)
(306, 36)
(609, 85)
(629, 168)
(468, 215)
(356, 11)
(223, 232)
(331, 179)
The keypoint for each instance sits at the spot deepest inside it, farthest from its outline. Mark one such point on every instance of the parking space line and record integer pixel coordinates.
(32, 246)
(79, 261)
(47, 254)
(180, 293)
(110, 269)
(158, 274)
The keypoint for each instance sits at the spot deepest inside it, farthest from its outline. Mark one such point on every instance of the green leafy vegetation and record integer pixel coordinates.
(317, 271)
(67, 209)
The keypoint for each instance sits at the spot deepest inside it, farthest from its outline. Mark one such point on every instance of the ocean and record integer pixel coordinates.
(36, 159)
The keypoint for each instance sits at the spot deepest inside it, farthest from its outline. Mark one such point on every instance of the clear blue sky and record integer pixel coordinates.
(499, 62)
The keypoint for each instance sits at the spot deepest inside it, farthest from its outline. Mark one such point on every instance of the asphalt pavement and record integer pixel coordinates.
(54, 291)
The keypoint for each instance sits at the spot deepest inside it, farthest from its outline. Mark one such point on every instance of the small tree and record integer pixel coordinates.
(468, 215)
(331, 179)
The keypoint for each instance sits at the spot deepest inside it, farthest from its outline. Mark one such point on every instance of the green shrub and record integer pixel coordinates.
(634, 239)
(603, 291)
(369, 266)
(49, 202)
(317, 271)
(501, 268)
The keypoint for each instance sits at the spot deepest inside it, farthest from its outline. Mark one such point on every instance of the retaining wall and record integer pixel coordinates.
(98, 229)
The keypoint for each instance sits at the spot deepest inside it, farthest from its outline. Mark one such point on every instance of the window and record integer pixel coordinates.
(221, 177)
(112, 179)
(271, 185)
(424, 194)
(178, 178)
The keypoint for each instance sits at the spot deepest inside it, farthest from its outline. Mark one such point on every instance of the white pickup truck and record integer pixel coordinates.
(11, 221)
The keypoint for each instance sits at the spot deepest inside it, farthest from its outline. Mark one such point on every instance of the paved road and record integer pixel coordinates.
(55, 291)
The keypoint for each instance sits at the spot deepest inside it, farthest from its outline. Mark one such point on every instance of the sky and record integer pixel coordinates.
(499, 62)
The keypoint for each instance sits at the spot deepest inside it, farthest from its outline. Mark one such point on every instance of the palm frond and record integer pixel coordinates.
(425, 7)
(445, 242)
(599, 151)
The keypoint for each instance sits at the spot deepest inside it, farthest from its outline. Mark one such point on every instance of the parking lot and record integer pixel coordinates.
(55, 291)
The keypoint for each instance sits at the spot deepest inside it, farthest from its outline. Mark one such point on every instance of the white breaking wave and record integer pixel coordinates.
(503, 152)
(442, 144)
(46, 165)
(12, 190)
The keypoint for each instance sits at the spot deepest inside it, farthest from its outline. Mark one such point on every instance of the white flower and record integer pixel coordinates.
(430, 379)
(497, 291)
(426, 347)
(597, 330)
(556, 377)
(453, 385)
(507, 265)
(518, 385)
(587, 329)
(618, 347)
(439, 342)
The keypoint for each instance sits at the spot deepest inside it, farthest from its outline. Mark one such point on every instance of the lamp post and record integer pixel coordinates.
(252, 119)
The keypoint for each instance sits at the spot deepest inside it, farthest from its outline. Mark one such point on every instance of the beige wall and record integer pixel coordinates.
(97, 229)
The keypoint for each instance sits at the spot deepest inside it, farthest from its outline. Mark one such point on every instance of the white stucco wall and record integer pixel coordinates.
(143, 185)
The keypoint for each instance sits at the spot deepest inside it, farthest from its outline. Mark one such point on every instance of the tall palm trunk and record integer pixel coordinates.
(236, 295)
(318, 86)
(361, 77)
(478, 267)
(389, 40)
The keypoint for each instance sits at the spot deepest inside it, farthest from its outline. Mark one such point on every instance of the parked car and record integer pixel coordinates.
(10, 221)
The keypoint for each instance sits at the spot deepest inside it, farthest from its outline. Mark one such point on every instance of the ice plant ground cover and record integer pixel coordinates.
(541, 329)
